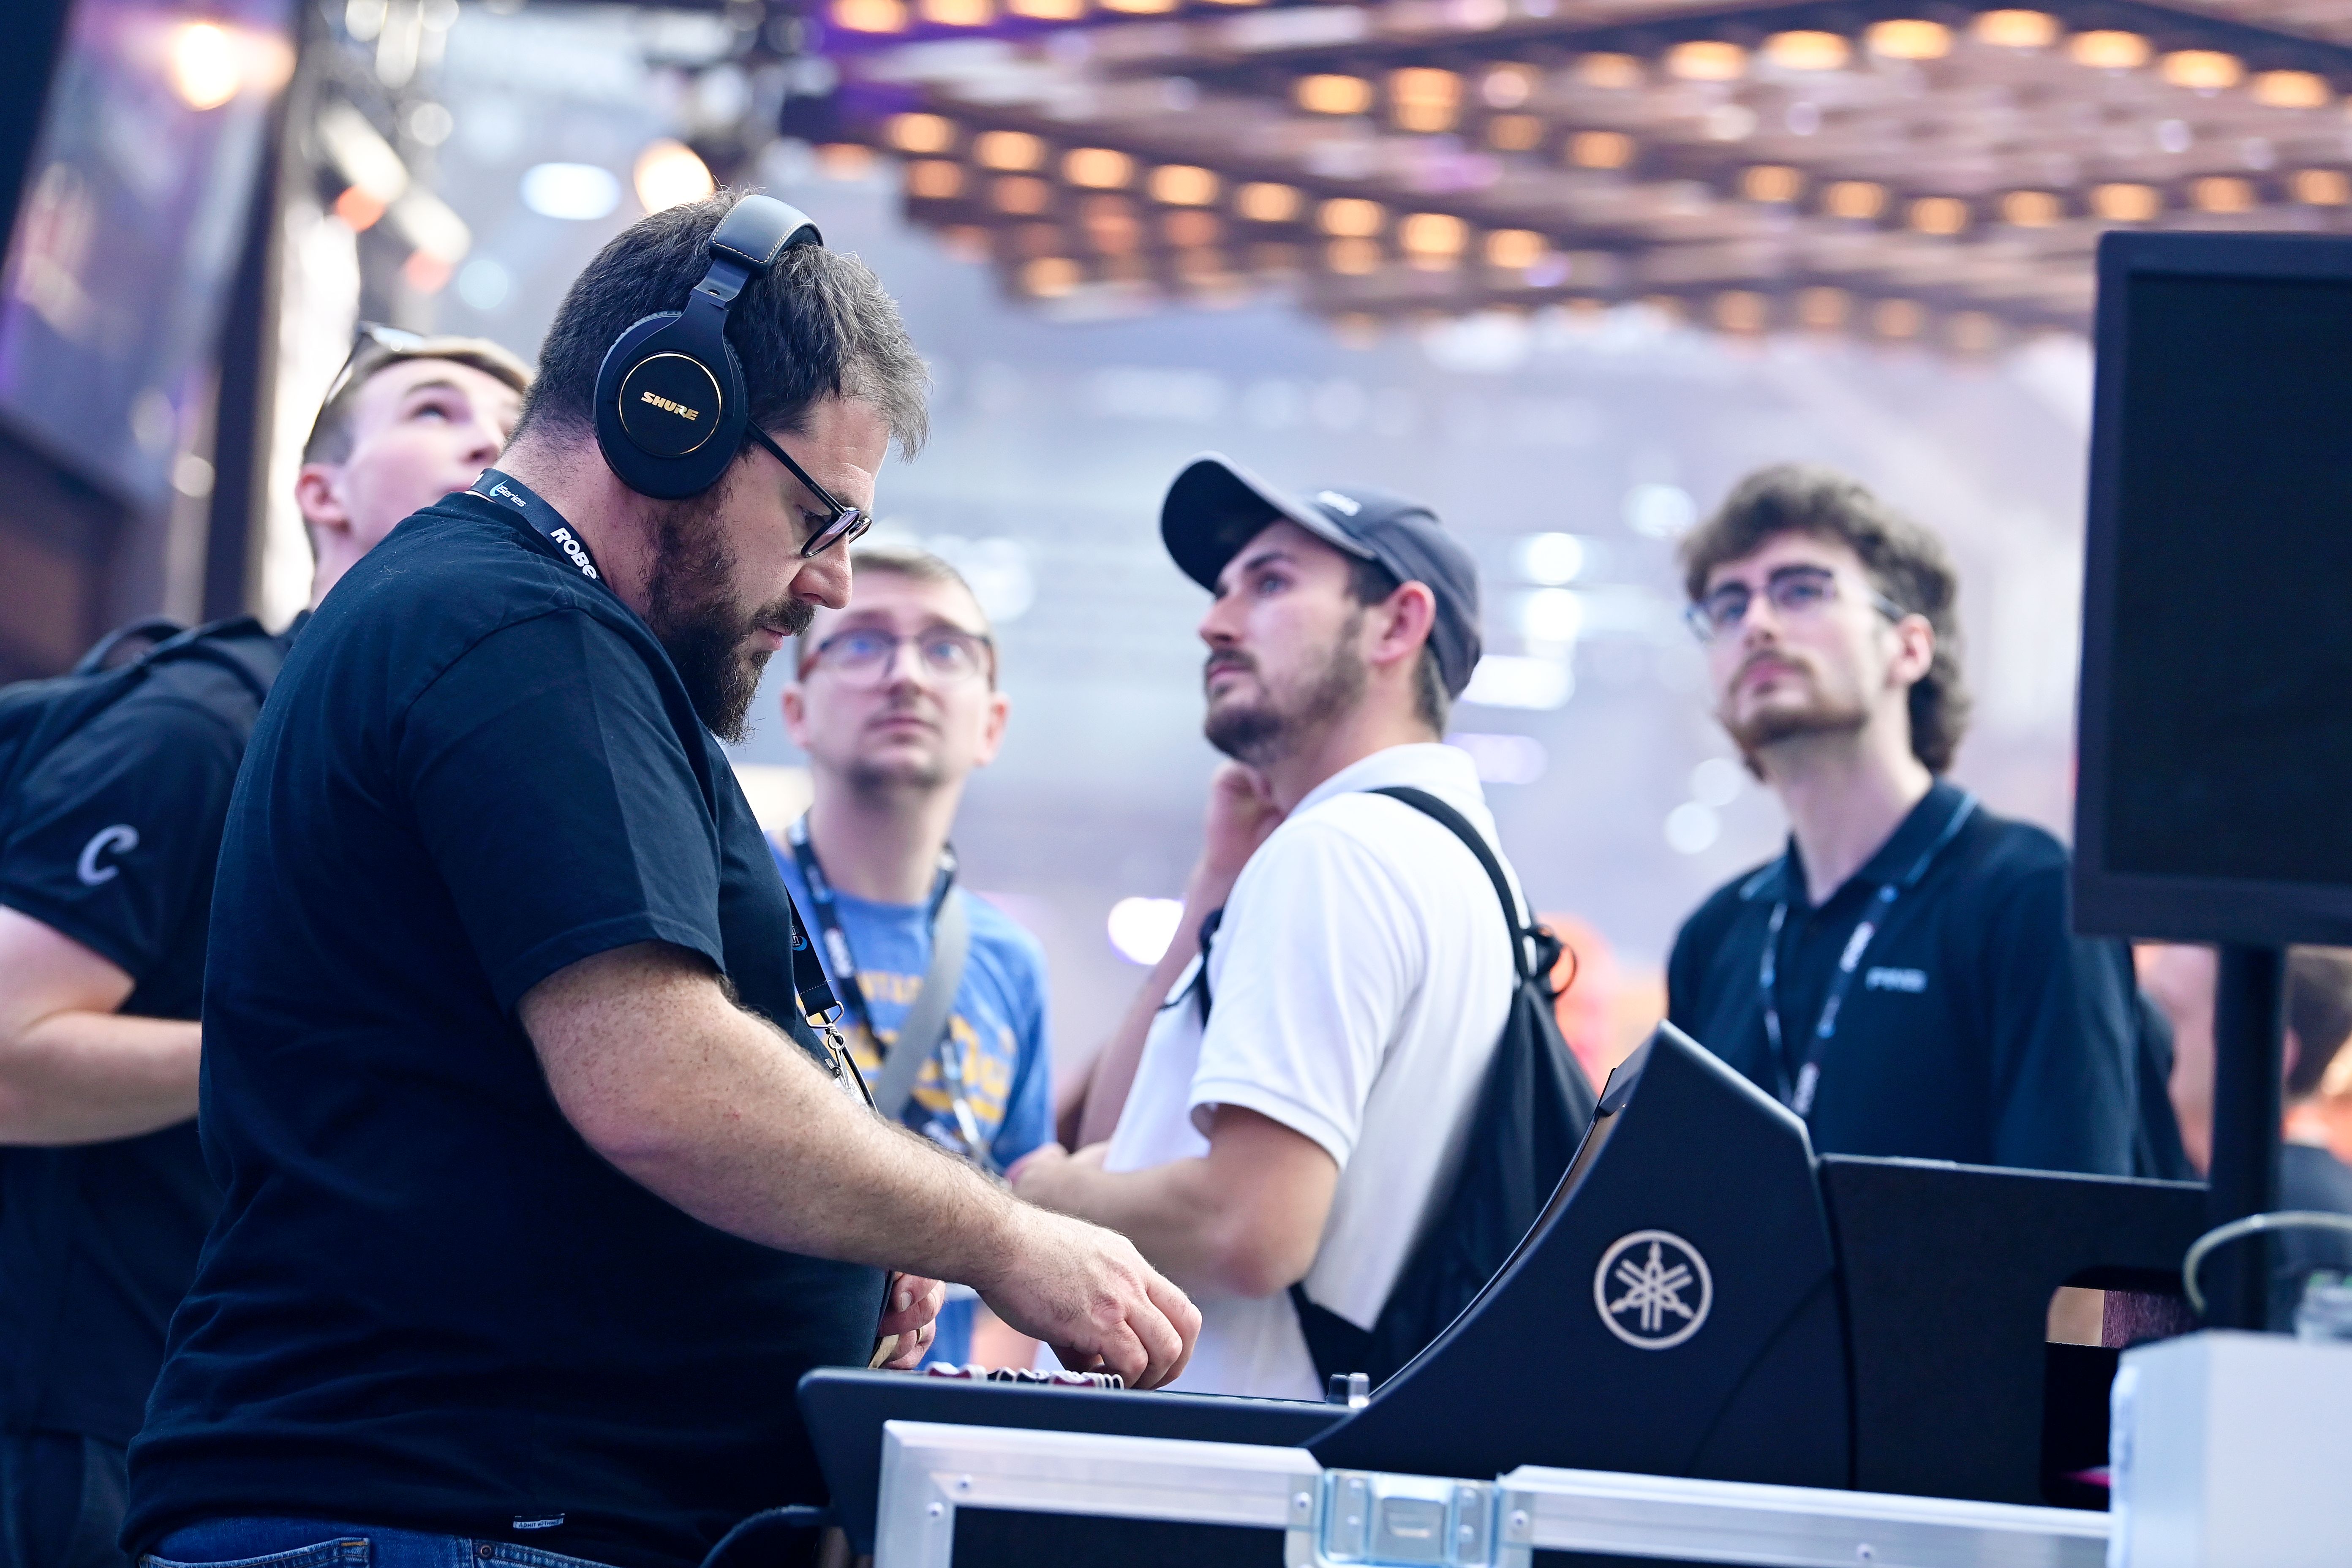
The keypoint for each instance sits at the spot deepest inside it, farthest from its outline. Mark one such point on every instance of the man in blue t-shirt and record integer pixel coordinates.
(895, 703)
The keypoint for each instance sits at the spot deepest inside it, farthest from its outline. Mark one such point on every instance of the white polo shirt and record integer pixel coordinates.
(1360, 978)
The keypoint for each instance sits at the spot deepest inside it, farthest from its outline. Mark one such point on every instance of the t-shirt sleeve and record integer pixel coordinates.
(112, 837)
(1319, 959)
(2063, 1014)
(1029, 1108)
(555, 794)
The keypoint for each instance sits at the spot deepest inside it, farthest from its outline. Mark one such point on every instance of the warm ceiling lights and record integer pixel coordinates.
(1432, 241)
(1047, 10)
(1854, 199)
(1614, 71)
(2291, 89)
(1192, 228)
(1508, 86)
(1140, 7)
(1940, 214)
(1908, 39)
(1515, 132)
(1771, 182)
(1424, 98)
(1334, 94)
(934, 179)
(1011, 149)
(668, 174)
(921, 132)
(1183, 186)
(1706, 59)
(2016, 29)
(2108, 50)
(1824, 309)
(1098, 168)
(1601, 149)
(2223, 193)
(2032, 209)
(959, 13)
(1515, 250)
(2124, 201)
(870, 16)
(1262, 201)
(2203, 70)
(1021, 195)
(1353, 257)
(1050, 277)
(1741, 310)
(2321, 187)
(1897, 319)
(1351, 217)
(1807, 50)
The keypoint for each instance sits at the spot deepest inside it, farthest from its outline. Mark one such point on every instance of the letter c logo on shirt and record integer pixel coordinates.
(121, 838)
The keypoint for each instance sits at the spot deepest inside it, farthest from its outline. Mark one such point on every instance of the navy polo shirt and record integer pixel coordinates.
(426, 1303)
(110, 839)
(1977, 1028)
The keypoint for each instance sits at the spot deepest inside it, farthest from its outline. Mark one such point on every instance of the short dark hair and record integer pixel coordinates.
(1369, 582)
(2319, 1011)
(818, 324)
(331, 438)
(1905, 563)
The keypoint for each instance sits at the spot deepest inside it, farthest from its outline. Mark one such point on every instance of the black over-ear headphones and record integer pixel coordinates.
(670, 405)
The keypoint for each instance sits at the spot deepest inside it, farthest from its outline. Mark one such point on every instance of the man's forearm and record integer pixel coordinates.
(87, 1077)
(1113, 1072)
(724, 1116)
(1175, 1215)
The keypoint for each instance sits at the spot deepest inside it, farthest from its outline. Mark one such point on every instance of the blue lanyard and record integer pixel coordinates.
(512, 493)
(1799, 1096)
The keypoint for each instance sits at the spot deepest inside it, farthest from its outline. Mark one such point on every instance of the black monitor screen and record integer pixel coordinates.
(2229, 700)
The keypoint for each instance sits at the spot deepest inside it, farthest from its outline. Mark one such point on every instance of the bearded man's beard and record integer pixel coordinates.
(1264, 733)
(1824, 715)
(706, 633)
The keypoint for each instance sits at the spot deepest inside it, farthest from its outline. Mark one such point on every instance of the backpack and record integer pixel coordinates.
(1532, 1109)
(37, 716)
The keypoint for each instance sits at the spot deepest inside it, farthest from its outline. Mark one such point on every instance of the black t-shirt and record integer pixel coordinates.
(2311, 1179)
(110, 839)
(426, 1303)
(1977, 1028)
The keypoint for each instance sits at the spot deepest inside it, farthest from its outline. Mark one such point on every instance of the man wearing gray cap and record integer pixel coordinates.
(1288, 1111)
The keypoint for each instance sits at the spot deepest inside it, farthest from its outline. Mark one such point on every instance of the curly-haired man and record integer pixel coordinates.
(1904, 976)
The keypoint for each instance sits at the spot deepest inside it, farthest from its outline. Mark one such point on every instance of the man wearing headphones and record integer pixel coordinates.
(107, 847)
(542, 1191)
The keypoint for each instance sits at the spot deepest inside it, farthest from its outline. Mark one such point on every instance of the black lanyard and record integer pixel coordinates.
(817, 999)
(828, 919)
(512, 493)
(1799, 1096)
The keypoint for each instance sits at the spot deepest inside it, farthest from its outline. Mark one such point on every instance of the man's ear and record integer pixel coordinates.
(318, 491)
(795, 714)
(1407, 618)
(991, 736)
(1914, 651)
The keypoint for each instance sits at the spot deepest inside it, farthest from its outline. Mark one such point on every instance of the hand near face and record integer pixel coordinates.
(1242, 812)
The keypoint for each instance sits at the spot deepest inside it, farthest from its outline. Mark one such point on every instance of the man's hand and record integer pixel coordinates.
(910, 1314)
(1088, 1294)
(1042, 1175)
(1242, 812)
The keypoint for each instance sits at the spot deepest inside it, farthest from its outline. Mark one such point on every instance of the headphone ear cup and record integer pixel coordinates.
(669, 404)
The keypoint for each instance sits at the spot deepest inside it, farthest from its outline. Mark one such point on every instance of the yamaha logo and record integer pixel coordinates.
(1653, 1290)
(680, 409)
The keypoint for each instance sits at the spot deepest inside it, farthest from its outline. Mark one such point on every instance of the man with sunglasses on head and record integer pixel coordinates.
(107, 850)
(545, 1181)
(895, 702)
(1904, 976)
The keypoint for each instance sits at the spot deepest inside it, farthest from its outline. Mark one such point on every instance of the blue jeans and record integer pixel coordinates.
(303, 1543)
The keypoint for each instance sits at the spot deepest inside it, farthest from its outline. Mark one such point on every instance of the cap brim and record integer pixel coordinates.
(1216, 506)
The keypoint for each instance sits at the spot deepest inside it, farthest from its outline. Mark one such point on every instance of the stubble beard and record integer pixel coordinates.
(706, 632)
(1824, 714)
(1264, 733)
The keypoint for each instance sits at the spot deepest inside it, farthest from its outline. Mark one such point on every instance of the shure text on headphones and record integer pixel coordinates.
(680, 409)
(574, 549)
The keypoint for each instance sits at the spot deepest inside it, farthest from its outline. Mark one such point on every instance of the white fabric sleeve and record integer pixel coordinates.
(1314, 963)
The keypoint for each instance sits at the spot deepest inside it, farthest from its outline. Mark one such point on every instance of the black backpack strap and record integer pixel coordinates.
(237, 645)
(1428, 804)
(154, 630)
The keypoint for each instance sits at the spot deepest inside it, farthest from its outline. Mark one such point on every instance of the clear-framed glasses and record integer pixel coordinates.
(848, 521)
(1796, 592)
(367, 338)
(864, 656)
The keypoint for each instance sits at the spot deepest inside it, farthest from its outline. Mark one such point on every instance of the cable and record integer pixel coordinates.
(799, 1516)
(2252, 1224)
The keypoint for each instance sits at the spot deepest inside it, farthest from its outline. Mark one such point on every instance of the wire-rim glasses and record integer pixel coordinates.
(848, 521)
(865, 655)
(1795, 593)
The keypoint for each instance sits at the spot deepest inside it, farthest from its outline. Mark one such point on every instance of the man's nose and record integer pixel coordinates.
(823, 579)
(1219, 627)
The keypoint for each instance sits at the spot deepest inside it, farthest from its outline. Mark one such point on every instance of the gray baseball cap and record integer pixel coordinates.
(1216, 506)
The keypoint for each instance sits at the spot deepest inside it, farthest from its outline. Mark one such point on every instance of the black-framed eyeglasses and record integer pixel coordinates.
(1795, 592)
(365, 335)
(848, 521)
(864, 656)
